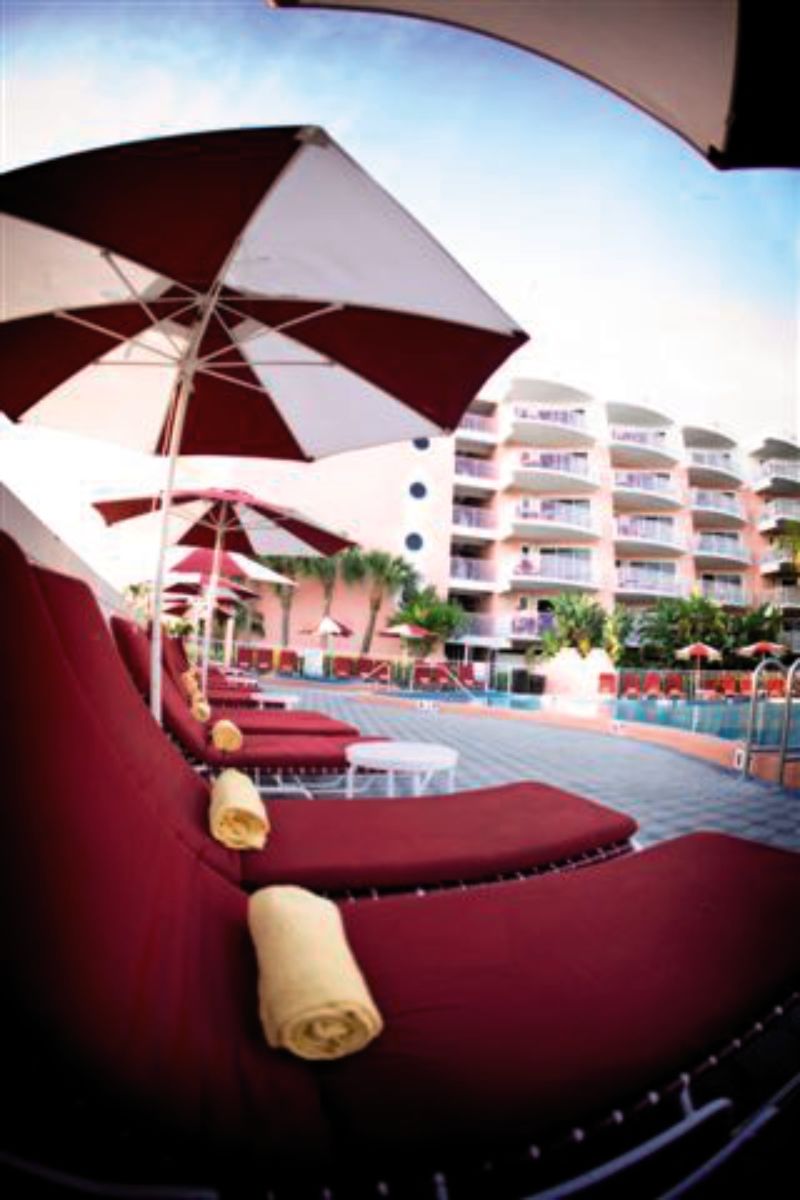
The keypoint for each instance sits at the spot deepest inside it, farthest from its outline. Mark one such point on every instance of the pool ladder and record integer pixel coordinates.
(786, 753)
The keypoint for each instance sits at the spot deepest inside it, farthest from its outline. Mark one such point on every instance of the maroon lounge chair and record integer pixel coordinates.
(336, 845)
(673, 685)
(342, 667)
(288, 662)
(246, 658)
(631, 688)
(607, 684)
(513, 1013)
(219, 690)
(652, 685)
(278, 755)
(465, 673)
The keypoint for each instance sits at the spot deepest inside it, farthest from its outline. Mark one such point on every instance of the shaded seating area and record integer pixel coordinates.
(514, 1014)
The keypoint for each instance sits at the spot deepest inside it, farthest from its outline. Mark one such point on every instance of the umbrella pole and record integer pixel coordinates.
(211, 597)
(158, 587)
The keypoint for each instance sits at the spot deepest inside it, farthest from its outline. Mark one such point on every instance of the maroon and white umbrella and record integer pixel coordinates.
(220, 520)
(721, 73)
(763, 649)
(248, 292)
(699, 652)
(328, 628)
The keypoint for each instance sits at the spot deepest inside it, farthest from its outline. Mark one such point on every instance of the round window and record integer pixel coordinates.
(418, 490)
(422, 443)
(414, 541)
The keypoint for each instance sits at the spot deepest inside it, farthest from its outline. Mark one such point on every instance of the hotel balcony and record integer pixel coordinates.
(640, 535)
(717, 510)
(552, 573)
(714, 468)
(725, 592)
(472, 575)
(477, 433)
(639, 583)
(634, 446)
(776, 513)
(475, 477)
(713, 550)
(777, 562)
(553, 521)
(543, 426)
(482, 629)
(784, 597)
(528, 627)
(778, 476)
(636, 491)
(473, 524)
(554, 473)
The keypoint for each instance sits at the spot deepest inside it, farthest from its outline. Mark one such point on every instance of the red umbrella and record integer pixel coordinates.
(260, 272)
(201, 562)
(227, 519)
(721, 74)
(700, 652)
(409, 631)
(329, 628)
(763, 649)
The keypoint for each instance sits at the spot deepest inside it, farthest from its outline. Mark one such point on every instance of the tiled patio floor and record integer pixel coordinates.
(667, 792)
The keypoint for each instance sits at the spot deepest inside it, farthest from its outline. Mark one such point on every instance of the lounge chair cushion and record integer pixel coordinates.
(511, 1009)
(431, 839)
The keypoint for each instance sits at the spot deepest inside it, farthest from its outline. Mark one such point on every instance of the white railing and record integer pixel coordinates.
(776, 561)
(661, 583)
(715, 458)
(571, 464)
(723, 592)
(474, 569)
(714, 543)
(559, 514)
(785, 597)
(549, 567)
(476, 468)
(477, 423)
(781, 510)
(531, 625)
(645, 481)
(654, 438)
(552, 416)
(649, 531)
(469, 517)
(716, 502)
(785, 468)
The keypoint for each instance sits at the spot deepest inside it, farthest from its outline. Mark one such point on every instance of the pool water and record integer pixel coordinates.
(486, 699)
(724, 719)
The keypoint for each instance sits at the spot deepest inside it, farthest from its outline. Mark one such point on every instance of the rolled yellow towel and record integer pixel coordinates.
(313, 998)
(201, 709)
(237, 815)
(190, 683)
(226, 736)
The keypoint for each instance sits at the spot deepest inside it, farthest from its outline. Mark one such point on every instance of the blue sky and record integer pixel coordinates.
(640, 272)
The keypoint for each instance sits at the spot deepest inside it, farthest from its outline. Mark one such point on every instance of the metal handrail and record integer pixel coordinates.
(784, 755)
(749, 748)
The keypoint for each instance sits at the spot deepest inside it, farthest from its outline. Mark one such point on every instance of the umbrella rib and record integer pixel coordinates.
(135, 296)
(120, 338)
(290, 323)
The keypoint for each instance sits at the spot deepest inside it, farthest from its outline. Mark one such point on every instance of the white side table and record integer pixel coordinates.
(285, 700)
(420, 760)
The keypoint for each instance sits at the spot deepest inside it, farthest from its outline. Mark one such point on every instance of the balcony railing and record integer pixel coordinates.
(572, 464)
(654, 438)
(553, 416)
(710, 543)
(475, 468)
(723, 592)
(718, 459)
(477, 423)
(784, 468)
(716, 502)
(550, 567)
(781, 510)
(473, 569)
(531, 625)
(785, 597)
(650, 531)
(482, 625)
(778, 560)
(662, 583)
(558, 514)
(467, 517)
(645, 481)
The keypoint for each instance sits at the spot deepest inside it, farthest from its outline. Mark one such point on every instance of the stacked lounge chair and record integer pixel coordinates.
(518, 1017)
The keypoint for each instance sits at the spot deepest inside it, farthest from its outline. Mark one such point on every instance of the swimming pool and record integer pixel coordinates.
(486, 699)
(724, 719)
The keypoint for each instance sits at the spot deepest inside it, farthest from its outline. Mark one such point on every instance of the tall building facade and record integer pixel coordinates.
(554, 492)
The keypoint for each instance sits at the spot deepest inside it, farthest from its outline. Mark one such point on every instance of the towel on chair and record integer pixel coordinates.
(226, 736)
(190, 682)
(201, 709)
(313, 999)
(237, 815)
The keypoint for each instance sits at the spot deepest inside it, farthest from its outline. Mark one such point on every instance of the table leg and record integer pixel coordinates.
(390, 791)
(349, 786)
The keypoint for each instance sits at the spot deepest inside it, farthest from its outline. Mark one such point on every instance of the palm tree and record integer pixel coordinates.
(326, 571)
(285, 565)
(444, 618)
(579, 623)
(387, 575)
(789, 542)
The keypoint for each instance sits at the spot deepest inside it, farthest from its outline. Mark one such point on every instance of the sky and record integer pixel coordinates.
(640, 272)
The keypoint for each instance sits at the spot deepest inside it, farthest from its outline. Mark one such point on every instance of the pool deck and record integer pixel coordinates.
(670, 781)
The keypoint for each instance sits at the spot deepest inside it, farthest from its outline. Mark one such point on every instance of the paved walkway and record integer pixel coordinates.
(668, 793)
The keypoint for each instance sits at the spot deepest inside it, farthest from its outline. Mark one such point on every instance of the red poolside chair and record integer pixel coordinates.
(335, 844)
(245, 658)
(746, 684)
(776, 687)
(288, 662)
(465, 673)
(728, 686)
(219, 691)
(630, 687)
(424, 676)
(607, 684)
(342, 667)
(673, 686)
(652, 685)
(130, 977)
(265, 659)
(442, 677)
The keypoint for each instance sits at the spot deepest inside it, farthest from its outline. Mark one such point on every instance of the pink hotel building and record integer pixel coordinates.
(546, 491)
